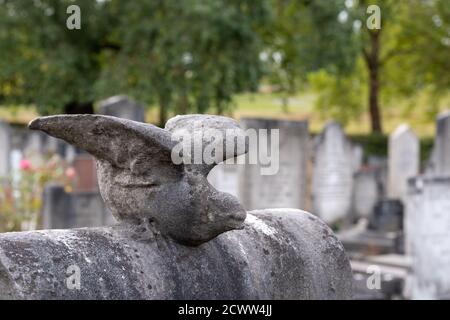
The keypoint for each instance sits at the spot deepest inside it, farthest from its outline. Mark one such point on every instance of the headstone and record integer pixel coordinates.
(70, 153)
(33, 144)
(5, 147)
(413, 205)
(442, 145)
(16, 172)
(53, 145)
(287, 188)
(225, 178)
(366, 193)
(387, 216)
(332, 184)
(357, 157)
(429, 235)
(122, 107)
(403, 162)
(380, 165)
(64, 210)
(86, 177)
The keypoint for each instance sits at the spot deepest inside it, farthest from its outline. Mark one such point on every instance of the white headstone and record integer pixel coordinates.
(332, 184)
(287, 188)
(365, 193)
(429, 229)
(52, 145)
(358, 157)
(5, 148)
(224, 177)
(33, 144)
(403, 163)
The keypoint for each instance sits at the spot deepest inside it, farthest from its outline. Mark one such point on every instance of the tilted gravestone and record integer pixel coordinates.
(122, 107)
(332, 184)
(5, 148)
(287, 187)
(427, 223)
(403, 163)
(177, 237)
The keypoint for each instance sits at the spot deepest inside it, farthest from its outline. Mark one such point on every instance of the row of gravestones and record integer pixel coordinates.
(325, 175)
(426, 202)
(390, 193)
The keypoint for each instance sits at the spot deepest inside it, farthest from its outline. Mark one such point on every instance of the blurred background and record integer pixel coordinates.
(358, 88)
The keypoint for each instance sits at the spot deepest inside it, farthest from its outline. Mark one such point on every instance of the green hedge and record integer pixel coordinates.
(377, 145)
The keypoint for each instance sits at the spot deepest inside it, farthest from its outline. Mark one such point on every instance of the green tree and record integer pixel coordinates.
(187, 55)
(305, 37)
(182, 55)
(42, 62)
(330, 44)
(421, 60)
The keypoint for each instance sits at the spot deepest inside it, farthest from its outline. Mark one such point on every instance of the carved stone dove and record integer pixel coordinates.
(139, 181)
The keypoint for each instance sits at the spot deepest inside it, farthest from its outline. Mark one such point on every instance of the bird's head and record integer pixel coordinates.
(142, 182)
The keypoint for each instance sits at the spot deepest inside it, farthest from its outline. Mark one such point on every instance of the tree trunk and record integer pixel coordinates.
(163, 105)
(183, 103)
(373, 64)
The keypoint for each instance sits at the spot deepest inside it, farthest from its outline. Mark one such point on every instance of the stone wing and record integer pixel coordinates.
(124, 143)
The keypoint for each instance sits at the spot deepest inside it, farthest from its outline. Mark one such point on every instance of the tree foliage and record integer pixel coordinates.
(353, 68)
(306, 36)
(193, 55)
(188, 55)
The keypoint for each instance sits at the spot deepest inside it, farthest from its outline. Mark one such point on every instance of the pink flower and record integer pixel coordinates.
(70, 173)
(25, 164)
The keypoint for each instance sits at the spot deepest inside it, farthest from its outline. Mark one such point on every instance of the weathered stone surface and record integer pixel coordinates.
(279, 254)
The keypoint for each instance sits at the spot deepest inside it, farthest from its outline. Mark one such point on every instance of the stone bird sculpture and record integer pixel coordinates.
(139, 181)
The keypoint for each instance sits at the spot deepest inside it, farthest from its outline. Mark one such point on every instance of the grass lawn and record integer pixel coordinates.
(302, 107)
(299, 107)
